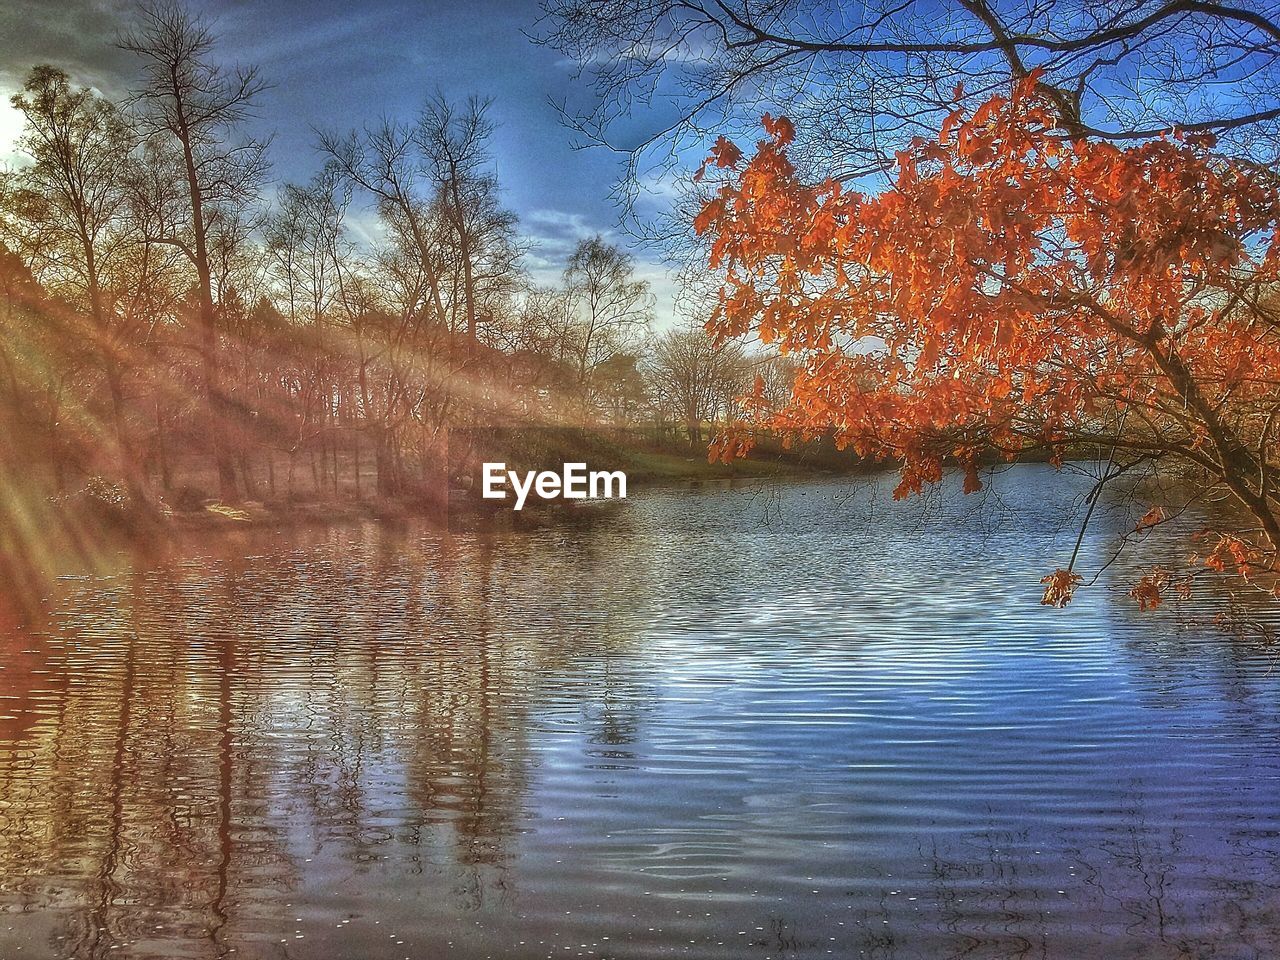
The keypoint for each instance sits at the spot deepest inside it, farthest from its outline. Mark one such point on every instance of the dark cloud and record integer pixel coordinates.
(77, 35)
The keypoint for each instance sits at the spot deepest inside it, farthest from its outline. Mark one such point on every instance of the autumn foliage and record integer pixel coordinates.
(1014, 291)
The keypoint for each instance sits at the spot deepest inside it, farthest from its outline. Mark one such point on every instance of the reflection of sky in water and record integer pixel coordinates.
(727, 723)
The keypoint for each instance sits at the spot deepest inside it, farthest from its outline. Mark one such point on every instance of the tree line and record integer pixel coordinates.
(172, 322)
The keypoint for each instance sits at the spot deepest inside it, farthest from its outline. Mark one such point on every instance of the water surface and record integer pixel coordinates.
(734, 722)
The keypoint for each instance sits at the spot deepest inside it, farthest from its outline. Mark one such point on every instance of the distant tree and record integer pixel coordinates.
(612, 307)
(455, 142)
(534, 332)
(190, 105)
(386, 162)
(619, 389)
(38, 359)
(697, 377)
(69, 217)
(307, 248)
(775, 379)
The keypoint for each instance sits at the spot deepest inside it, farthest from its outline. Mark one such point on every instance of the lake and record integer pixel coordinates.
(736, 721)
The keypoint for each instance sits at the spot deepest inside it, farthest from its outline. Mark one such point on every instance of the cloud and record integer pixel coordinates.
(10, 130)
(76, 35)
(666, 293)
(552, 235)
(561, 225)
(365, 227)
(662, 184)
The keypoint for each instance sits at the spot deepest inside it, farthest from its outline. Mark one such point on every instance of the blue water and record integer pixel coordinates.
(762, 720)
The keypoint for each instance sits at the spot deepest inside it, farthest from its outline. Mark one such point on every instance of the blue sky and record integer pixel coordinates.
(334, 65)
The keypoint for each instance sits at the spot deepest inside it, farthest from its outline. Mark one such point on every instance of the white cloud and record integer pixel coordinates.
(662, 184)
(666, 293)
(365, 226)
(10, 129)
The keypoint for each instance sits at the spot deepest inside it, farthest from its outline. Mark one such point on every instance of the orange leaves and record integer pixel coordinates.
(1232, 553)
(1027, 86)
(1149, 519)
(712, 211)
(780, 129)
(733, 443)
(1149, 591)
(1205, 140)
(1060, 587)
(985, 113)
(982, 270)
(949, 124)
(1013, 290)
(724, 154)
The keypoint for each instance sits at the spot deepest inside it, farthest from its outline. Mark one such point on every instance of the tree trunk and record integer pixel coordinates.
(385, 462)
(355, 456)
(162, 452)
(694, 427)
(55, 449)
(209, 366)
(247, 477)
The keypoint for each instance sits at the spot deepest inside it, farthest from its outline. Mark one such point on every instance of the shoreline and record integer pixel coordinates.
(466, 506)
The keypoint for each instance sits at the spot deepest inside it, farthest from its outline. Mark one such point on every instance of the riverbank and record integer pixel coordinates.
(86, 527)
(191, 500)
(645, 469)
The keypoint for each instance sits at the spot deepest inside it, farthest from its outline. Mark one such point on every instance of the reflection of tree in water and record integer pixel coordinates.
(120, 818)
(1135, 889)
(1186, 662)
(204, 732)
(376, 703)
(781, 940)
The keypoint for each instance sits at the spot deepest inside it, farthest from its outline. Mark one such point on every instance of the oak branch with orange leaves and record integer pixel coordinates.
(1020, 291)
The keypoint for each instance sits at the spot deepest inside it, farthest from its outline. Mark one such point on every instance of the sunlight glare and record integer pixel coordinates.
(10, 130)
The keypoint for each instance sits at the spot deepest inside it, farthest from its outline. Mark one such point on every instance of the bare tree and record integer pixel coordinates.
(311, 268)
(304, 240)
(456, 144)
(613, 307)
(70, 208)
(193, 106)
(859, 80)
(689, 373)
(386, 162)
